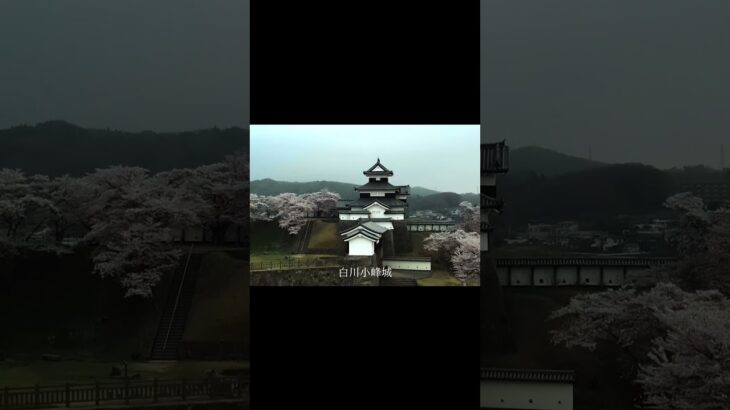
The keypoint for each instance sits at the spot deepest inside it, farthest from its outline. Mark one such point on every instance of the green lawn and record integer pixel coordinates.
(277, 256)
(28, 373)
(439, 278)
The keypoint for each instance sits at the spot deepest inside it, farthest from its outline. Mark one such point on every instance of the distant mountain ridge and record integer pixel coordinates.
(420, 199)
(57, 147)
(268, 186)
(542, 161)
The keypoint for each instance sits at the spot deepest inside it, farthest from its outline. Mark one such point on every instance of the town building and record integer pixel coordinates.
(711, 192)
(541, 232)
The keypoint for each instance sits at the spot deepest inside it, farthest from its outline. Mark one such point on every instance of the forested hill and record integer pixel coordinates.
(57, 147)
(547, 186)
(543, 161)
(592, 195)
(269, 186)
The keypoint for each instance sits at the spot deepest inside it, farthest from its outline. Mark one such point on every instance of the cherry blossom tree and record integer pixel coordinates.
(262, 208)
(138, 258)
(323, 201)
(70, 197)
(466, 259)
(624, 317)
(24, 206)
(445, 241)
(459, 247)
(471, 215)
(180, 188)
(689, 366)
(127, 213)
(674, 336)
(224, 189)
(702, 241)
(656, 334)
(694, 222)
(293, 211)
(131, 222)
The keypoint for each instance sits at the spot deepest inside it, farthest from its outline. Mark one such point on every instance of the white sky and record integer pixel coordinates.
(440, 157)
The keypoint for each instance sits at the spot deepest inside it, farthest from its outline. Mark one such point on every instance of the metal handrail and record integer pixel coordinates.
(177, 298)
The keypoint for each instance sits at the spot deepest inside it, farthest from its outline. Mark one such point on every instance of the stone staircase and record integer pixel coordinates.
(304, 237)
(175, 312)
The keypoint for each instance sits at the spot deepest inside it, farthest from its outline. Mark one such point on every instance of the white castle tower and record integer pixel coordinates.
(379, 203)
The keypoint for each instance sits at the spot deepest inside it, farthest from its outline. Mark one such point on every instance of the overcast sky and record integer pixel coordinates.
(440, 157)
(163, 65)
(644, 81)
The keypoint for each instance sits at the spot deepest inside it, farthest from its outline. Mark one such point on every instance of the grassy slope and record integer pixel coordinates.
(324, 236)
(37, 302)
(297, 257)
(267, 237)
(439, 278)
(220, 304)
(57, 148)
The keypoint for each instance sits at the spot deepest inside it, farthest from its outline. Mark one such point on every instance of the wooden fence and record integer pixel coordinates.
(126, 392)
(293, 264)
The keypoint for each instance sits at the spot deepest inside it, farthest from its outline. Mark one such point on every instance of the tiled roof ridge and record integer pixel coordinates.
(586, 260)
(545, 375)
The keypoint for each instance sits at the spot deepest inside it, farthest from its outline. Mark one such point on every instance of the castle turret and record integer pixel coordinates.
(494, 160)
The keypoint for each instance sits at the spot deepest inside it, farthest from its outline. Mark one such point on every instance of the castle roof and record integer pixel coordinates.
(528, 375)
(494, 157)
(378, 170)
(366, 228)
(388, 202)
(377, 186)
